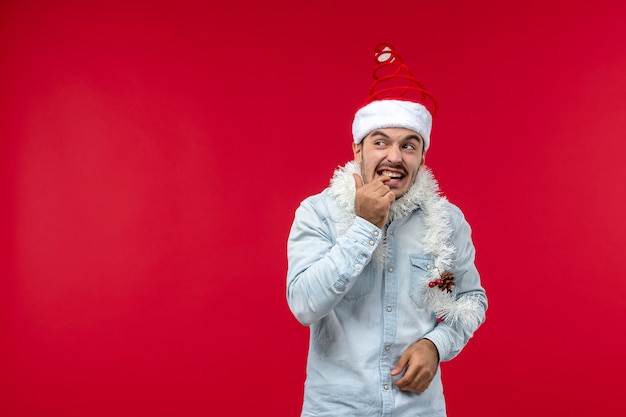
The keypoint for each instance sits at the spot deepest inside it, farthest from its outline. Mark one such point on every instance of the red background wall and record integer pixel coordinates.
(152, 156)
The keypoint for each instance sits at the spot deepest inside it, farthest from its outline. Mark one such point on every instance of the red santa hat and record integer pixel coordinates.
(396, 99)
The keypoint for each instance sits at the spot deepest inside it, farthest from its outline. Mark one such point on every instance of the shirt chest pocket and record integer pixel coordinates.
(420, 267)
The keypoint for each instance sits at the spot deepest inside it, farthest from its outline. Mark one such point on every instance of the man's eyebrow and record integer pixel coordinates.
(379, 133)
(409, 137)
(416, 137)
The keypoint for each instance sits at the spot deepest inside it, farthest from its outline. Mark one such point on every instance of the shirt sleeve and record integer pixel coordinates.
(451, 338)
(322, 267)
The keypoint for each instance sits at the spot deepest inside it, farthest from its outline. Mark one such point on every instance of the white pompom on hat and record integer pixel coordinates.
(396, 99)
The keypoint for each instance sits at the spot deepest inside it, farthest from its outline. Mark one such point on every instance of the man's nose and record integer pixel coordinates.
(394, 154)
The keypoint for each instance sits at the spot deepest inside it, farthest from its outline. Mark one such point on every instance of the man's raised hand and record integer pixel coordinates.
(373, 200)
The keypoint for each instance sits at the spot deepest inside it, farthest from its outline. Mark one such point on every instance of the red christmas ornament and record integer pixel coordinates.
(445, 282)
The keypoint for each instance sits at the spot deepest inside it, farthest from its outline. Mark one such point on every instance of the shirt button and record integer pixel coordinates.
(386, 387)
(387, 348)
(357, 267)
(428, 266)
(389, 309)
(390, 269)
(372, 243)
(376, 233)
(391, 232)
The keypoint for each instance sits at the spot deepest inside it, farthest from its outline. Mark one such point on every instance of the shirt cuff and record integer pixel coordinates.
(366, 233)
(440, 339)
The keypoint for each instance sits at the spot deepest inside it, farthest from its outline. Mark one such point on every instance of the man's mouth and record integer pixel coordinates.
(394, 175)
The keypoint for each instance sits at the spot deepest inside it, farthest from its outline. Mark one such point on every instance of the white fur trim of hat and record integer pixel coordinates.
(383, 114)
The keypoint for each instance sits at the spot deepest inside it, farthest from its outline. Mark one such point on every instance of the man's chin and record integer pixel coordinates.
(398, 192)
(398, 187)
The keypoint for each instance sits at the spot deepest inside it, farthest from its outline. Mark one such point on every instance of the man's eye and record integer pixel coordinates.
(409, 146)
(379, 142)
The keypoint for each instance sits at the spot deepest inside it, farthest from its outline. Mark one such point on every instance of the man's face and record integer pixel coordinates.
(395, 152)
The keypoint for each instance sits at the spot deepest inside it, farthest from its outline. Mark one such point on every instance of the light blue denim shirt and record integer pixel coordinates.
(363, 314)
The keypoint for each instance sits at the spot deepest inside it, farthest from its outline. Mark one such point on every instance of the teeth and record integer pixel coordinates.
(392, 174)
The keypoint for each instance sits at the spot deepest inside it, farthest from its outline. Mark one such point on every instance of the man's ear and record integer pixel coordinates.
(423, 158)
(357, 150)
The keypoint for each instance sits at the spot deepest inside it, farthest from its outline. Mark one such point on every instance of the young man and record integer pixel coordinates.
(381, 266)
